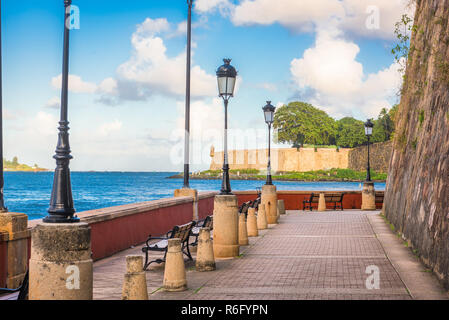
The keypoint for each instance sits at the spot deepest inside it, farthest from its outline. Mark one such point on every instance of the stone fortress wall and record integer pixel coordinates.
(306, 159)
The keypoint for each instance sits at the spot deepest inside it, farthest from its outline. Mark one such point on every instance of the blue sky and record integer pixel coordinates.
(127, 67)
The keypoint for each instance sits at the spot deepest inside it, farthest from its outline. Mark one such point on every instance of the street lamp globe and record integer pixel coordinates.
(369, 128)
(268, 111)
(226, 76)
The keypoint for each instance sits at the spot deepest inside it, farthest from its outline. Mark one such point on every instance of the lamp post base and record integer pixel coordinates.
(16, 226)
(368, 196)
(269, 199)
(226, 226)
(322, 203)
(60, 219)
(61, 266)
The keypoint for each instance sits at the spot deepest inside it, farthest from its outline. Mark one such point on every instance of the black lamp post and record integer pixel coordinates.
(368, 132)
(268, 112)
(187, 113)
(61, 204)
(2, 202)
(226, 76)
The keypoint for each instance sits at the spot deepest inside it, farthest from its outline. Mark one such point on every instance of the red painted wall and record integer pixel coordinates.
(111, 236)
(294, 201)
(205, 207)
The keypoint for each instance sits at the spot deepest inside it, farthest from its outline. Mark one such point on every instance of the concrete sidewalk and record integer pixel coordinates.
(309, 255)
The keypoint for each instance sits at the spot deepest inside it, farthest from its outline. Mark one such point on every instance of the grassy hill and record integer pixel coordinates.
(14, 165)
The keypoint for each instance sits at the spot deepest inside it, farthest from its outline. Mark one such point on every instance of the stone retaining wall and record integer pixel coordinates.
(307, 159)
(380, 154)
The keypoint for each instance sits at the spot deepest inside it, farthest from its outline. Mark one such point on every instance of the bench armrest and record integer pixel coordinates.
(200, 223)
(154, 238)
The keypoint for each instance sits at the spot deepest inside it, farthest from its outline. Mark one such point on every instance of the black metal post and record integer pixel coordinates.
(187, 115)
(269, 179)
(226, 185)
(368, 169)
(61, 204)
(2, 202)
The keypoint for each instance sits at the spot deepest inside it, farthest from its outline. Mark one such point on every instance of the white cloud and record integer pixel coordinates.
(279, 104)
(149, 71)
(108, 86)
(358, 12)
(204, 6)
(152, 71)
(53, 103)
(331, 77)
(298, 15)
(76, 84)
(108, 128)
(310, 15)
(7, 115)
(329, 67)
(38, 132)
(152, 27)
(207, 126)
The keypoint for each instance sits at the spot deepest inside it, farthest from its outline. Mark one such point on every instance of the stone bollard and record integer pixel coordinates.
(205, 260)
(251, 223)
(281, 207)
(322, 203)
(226, 226)
(15, 227)
(135, 283)
(269, 199)
(243, 232)
(61, 266)
(261, 218)
(368, 196)
(175, 272)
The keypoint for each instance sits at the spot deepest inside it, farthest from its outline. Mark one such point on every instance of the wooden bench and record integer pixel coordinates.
(256, 203)
(181, 232)
(336, 199)
(11, 294)
(380, 198)
(307, 203)
(250, 204)
(205, 223)
(244, 207)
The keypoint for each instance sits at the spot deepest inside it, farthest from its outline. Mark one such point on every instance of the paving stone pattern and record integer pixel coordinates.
(308, 255)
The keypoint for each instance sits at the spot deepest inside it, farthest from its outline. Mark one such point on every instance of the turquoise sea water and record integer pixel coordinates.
(30, 192)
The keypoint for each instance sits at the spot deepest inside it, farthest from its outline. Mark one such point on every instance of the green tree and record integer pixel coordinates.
(15, 161)
(383, 126)
(350, 132)
(299, 123)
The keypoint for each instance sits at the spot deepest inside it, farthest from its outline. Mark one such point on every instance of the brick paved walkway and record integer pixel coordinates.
(306, 256)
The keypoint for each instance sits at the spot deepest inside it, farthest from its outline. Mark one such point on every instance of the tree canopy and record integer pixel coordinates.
(384, 125)
(301, 123)
(350, 132)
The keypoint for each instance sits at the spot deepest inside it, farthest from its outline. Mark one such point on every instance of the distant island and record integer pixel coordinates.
(319, 175)
(14, 165)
